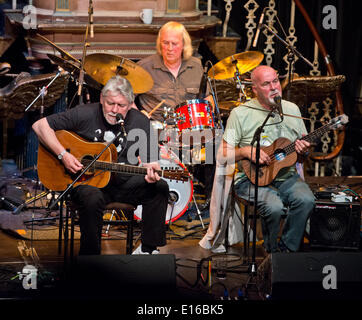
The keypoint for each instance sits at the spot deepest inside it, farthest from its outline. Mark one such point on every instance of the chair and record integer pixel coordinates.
(128, 213)
(123, 209)
(249, 214)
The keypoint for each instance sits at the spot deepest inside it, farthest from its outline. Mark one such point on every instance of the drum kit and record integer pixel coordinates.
(190, 125)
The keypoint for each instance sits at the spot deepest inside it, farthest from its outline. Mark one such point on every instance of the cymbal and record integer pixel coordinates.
(74, 69)
(103, 66)
(245, 61)
(65, 55)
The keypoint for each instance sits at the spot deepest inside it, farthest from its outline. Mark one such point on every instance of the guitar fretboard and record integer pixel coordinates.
(310, 137)
(117, 167)
(133, 170)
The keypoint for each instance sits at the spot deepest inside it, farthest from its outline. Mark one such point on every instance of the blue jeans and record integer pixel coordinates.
(293, 193)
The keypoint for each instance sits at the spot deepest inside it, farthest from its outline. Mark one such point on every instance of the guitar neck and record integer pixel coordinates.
(119, 168)
(173, 174)
(309, 137)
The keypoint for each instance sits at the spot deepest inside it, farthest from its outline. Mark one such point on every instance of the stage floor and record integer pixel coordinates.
(200, 276)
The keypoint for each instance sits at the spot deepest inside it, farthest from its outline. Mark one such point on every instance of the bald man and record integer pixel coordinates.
(287, 189)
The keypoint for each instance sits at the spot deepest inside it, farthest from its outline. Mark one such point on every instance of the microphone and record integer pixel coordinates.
(18, 209)
(203, 85)
(278, 102)
(120, 120)
(260, 24)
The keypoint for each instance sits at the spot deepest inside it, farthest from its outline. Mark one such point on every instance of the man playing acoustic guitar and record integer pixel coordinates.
(285, 188)
(97, 122)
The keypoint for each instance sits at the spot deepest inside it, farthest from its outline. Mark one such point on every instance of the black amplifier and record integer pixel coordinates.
(336, 225)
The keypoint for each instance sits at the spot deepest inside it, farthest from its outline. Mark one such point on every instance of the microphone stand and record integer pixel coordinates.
(256, 139)
(216, 104)
(292, 51)
(237, 77)
(85, 45)
(42, 94)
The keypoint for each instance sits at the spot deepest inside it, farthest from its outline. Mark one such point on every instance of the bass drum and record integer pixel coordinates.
(180, 193)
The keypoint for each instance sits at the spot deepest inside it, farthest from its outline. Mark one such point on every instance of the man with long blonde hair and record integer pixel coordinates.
(175, 72)
(177, 76)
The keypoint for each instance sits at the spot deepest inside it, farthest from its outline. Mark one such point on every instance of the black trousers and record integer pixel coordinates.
(133, 190)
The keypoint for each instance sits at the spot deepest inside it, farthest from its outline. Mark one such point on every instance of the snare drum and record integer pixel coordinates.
(195, 115)
(180, 193)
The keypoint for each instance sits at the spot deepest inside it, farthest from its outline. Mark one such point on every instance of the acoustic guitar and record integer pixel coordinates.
(54, 175)
(282, 153)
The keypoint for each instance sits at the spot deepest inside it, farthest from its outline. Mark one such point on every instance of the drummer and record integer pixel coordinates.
(175, 72)
(177, 76)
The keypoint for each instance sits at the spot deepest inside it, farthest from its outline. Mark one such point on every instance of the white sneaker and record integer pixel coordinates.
(220, 249)
(139, 251)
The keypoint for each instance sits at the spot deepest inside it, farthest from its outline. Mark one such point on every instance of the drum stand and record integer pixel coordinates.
(195, 203)
(198, 211)
(171, 202)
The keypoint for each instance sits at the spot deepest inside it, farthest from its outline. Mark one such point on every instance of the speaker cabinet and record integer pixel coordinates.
(312, 276)
(123, 276)
(335, 225)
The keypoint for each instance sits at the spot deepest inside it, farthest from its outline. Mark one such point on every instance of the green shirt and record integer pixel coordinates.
(246, 118)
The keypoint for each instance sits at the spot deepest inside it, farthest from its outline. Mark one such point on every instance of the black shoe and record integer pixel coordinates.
(283, 247)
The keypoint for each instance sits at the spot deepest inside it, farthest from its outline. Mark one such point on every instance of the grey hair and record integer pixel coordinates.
(118, 84)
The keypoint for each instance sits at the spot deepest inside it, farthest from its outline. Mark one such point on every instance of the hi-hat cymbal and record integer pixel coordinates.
(103, 66)
(245, 61)
(74, 69)
(65, 55)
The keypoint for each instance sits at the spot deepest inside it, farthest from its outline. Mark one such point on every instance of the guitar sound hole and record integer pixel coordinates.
(279, 155)
(85, 161)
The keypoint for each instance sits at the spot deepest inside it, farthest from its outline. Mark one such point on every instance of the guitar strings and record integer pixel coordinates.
(291, 147)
